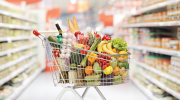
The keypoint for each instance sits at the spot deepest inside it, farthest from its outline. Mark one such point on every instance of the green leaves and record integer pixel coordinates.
(120, 44)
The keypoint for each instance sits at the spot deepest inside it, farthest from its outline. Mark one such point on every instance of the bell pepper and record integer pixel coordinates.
(106, 37)
(92, 57)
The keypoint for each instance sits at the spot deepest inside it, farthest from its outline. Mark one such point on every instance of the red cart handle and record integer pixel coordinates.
(36, 33)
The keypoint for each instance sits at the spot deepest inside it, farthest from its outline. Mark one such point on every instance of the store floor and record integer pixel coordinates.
(42, 88)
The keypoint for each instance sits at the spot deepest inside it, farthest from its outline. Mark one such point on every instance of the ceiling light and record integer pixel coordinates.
(73, 1)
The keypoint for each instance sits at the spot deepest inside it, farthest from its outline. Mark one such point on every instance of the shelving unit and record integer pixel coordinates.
(9, 64)
(15, 73)
(8, 52)
(25, 84)
(156, 50)
(161, 85)
(144, 90)
(9, 39)
(153, 24)
(11, 26)
(162, 74)
(154, 7)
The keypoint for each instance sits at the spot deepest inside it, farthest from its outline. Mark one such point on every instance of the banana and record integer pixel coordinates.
(108, 51)
(109, 46)
(100, 46)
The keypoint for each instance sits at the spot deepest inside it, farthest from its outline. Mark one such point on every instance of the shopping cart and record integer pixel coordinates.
(65, 62)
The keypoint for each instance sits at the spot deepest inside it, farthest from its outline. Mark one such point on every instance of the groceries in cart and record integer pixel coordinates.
(87, 60)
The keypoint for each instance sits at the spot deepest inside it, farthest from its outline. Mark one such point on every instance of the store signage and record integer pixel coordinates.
(53, 13)
(72, 8)
(106, 19)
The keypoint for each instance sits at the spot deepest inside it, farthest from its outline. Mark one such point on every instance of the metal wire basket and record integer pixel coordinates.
(69, 69)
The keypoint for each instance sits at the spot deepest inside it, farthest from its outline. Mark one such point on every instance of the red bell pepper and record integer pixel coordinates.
(86, 47)
(106, 37)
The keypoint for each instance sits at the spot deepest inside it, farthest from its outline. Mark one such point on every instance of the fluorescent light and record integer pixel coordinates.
(73, 1)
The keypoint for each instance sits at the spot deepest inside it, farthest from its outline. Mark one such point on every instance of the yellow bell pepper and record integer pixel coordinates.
(92, 57)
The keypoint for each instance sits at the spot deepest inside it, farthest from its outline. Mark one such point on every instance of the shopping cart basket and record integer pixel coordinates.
(65, 62)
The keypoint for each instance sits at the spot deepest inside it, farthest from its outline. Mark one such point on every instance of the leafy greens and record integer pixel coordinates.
(120, 44)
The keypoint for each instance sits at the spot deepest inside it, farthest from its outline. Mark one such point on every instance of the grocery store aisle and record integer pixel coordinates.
(42, 88)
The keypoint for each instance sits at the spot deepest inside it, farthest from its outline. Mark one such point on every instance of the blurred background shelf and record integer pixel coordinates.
(156, 50)
(144, 90)
(24, 85)
(12, 26)
(15, 73)
(154, 7)
(161, 85)
(16, 38)
(153, 24)
(156, 71)
(8, 52)
(9, 64)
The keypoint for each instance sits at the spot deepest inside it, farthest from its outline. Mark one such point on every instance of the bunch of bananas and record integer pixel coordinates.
(106, 47)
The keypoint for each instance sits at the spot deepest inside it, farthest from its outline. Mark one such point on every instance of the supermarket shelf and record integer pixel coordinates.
(16, 38)
(15, 73)
(156, 50)
(15, 26)
(155, 7)
(9, 64)
(8, 52)
(25, 84)
(11, 14)
(144, 90)
(153, 24)
(161, 85)
(162, 74)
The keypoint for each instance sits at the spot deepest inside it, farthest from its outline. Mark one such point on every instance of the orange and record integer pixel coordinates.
(116, 71)
(89, 70)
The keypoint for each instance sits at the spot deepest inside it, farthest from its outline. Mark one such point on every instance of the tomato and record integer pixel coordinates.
(104, 67)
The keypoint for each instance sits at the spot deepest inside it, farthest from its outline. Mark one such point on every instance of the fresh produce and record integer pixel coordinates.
(107, 79)
(53, 39)
(124, 75)
(73, 66)
(119, 44)
(122, 71)
(108, 51)
(117, 79)
(93, 47)
(116, 71)
(78, 45)
(114, 50)
(108, 70)
(92, 57)
(100, 46)
(83, 40)
(97, 36)
(126, 65)
(56, 53)
(113, 62)
(86, 47)
(91, 39)
(89, 70)
(120, 64)
(97, 68)
(109, 46)
(93, 77)
(123, 56)
(76, 57)
(106, 37)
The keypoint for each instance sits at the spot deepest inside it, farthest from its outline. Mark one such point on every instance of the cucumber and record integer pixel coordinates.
(93, 48)
(93, 77)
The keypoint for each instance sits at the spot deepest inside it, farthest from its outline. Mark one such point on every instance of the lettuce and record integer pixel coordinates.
(120, 44)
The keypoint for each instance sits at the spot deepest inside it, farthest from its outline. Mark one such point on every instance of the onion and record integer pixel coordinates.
(62, 55)
(65, 35)
(69, 41)
(70, 35)
(64, 41)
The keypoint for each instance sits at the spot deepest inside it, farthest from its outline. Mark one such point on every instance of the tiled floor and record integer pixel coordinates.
(42, 88)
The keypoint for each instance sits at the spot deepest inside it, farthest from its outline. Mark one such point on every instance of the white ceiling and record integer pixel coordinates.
(95, 4)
